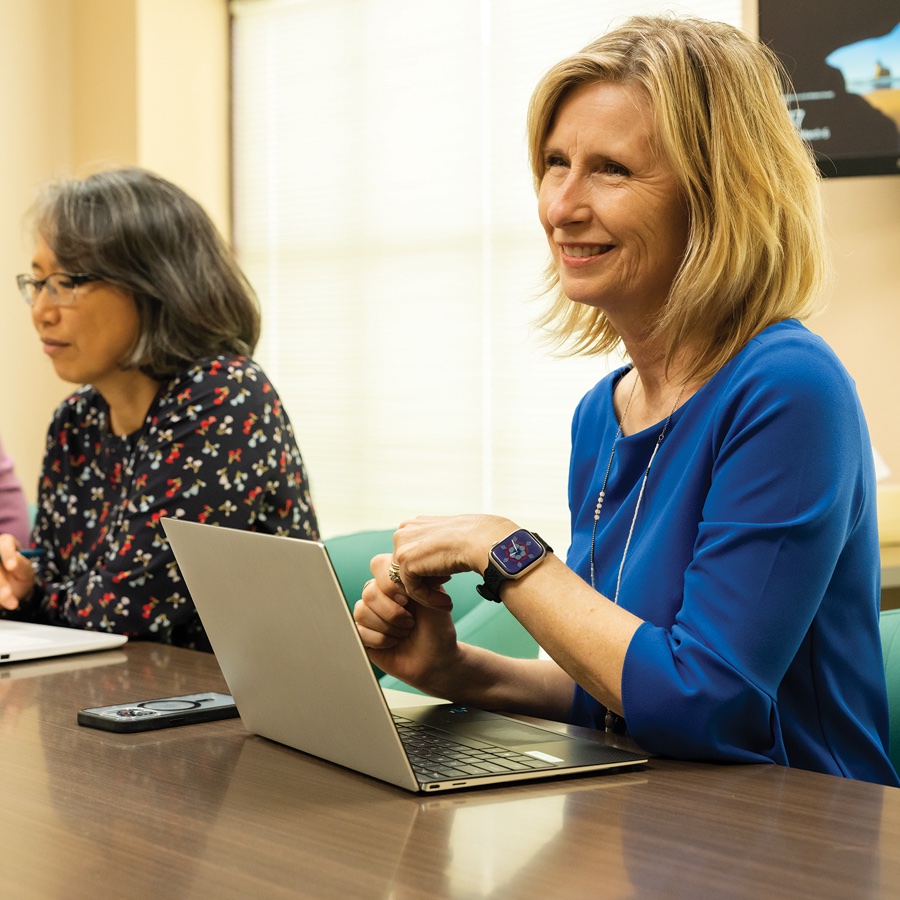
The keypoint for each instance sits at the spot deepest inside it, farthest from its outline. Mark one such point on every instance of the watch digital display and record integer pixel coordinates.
(517, 552)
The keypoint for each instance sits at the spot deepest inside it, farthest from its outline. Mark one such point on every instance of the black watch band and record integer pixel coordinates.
(510, 559)
(490, 590)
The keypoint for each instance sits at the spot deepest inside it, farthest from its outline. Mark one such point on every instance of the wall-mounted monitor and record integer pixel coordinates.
(843, 59)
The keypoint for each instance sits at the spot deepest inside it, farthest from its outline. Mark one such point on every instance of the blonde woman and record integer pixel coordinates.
(719, 599)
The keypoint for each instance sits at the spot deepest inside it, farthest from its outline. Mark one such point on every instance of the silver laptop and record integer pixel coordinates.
(27, 640)
(288, 647)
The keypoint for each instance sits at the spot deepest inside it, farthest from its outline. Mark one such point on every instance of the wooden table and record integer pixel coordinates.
(211, 811)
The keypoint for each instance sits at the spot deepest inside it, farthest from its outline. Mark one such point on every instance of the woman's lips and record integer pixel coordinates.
(52, 348)
(584, 251)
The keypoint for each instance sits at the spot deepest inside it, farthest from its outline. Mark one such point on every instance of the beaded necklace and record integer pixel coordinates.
(602, 495)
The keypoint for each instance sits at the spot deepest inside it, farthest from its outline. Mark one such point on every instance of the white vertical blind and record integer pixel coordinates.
(385, 214)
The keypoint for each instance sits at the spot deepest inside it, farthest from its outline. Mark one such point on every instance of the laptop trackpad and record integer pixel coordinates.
(481, 725)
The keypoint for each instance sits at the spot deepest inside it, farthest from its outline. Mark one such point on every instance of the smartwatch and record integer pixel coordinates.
(516, 555)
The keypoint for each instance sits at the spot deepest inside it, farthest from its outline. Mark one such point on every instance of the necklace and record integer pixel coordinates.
(602, 495)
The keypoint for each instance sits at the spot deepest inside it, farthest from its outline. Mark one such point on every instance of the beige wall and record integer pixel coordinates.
(88, 83)
(35, 109)
(862, 321)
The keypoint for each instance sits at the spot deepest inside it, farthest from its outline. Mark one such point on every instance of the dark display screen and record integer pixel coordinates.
(843, 59)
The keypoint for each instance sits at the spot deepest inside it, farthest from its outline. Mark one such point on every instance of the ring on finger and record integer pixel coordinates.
(394, 573)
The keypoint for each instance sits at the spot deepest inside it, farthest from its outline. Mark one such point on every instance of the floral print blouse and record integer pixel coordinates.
(217, 446)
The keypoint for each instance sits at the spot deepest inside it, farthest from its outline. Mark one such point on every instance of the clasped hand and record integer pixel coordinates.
(407, 626)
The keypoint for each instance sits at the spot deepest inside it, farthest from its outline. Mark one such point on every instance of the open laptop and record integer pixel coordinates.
(20, 641)
(288, 647)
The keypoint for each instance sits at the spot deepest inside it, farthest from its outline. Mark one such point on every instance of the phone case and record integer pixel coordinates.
(166, 712)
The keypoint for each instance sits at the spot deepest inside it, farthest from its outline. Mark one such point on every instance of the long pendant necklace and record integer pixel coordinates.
(612, 722)
(602, 495)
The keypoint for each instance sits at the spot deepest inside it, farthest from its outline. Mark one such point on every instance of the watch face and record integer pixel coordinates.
(517, 552)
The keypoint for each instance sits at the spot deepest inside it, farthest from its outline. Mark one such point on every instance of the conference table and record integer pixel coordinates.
(210, 810)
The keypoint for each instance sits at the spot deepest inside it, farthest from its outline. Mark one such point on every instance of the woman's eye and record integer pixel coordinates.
(612, 168)
(552, 160)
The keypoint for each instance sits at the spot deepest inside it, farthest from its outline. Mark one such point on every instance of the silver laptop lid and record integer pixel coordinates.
(255, 593)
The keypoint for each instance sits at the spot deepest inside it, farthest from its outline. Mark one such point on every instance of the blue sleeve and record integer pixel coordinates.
(787, 519)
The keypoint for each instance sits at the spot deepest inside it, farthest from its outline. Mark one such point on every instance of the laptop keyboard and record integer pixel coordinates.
(435, 754)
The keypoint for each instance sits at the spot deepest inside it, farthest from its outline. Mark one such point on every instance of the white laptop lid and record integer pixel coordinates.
(26, 640)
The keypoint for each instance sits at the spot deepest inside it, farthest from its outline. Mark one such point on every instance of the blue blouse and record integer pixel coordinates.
(754, 564)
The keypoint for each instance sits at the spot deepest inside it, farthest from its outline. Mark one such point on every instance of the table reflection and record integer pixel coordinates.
(604, 833)
(139, 792)
(210, 810)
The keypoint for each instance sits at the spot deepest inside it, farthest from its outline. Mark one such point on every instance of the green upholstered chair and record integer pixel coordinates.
(351, 554)
(890, 645)
(493, 626)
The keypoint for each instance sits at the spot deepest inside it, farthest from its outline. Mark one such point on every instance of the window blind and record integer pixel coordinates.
(384, 211)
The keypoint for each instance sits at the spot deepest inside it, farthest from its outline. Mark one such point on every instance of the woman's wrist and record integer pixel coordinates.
(495, 531)
(468, 679)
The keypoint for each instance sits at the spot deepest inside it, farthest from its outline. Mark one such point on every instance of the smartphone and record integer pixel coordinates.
(147, 715)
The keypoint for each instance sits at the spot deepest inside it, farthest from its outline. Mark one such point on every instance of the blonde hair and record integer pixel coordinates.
(755, 253)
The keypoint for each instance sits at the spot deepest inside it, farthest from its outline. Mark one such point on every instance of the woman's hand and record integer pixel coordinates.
(405, 621)
(404, 617)
(16, 573)
(415, 643)
(429, 549)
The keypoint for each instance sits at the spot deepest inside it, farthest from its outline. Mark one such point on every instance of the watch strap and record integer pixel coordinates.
(493, 578)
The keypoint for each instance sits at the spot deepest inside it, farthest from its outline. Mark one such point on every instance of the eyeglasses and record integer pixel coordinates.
(61, 287)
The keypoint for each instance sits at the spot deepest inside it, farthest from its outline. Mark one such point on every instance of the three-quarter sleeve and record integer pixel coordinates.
(782, 535)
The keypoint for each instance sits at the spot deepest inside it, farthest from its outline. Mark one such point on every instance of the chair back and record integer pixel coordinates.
(890, 646)
(351, 554)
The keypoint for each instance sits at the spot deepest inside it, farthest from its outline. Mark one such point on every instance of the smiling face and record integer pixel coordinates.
(86, 341)
(611, 206)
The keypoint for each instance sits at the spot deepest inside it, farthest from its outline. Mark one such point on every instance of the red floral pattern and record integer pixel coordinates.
(216, 447)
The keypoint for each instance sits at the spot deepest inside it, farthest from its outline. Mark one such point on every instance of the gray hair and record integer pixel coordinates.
(143, 234)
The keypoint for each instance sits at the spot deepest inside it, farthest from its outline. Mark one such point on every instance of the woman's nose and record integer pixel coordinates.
(42, 306)
(567, 202)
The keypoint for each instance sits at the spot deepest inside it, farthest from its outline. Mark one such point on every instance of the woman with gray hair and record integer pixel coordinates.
(136, 296)
(719, 599)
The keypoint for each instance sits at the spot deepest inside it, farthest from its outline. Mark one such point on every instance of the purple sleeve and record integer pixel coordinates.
(14, 517)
